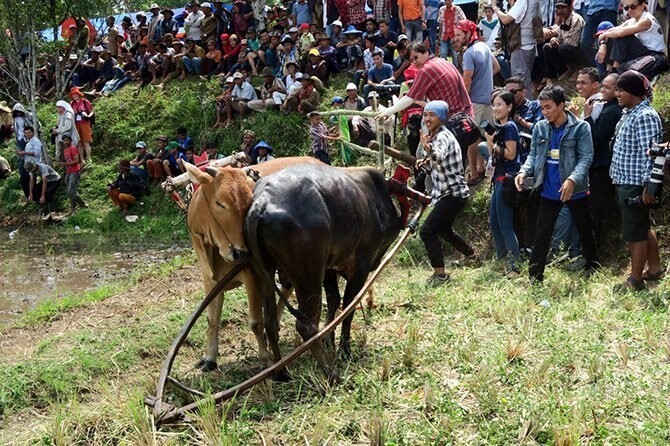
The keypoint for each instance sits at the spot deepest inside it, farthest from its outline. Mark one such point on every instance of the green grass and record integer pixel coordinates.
(478, 361)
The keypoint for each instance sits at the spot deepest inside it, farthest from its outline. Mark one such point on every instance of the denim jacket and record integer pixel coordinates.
(576, 153)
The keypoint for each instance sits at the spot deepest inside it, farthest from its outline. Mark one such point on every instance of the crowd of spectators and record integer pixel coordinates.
(463, 91)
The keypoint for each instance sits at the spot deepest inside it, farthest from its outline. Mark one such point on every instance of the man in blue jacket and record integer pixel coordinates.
(560, 156)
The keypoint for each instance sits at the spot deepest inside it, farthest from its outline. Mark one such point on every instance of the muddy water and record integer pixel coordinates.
(35, 265)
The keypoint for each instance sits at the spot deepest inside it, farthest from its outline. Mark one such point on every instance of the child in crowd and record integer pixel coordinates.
(320, 137)
(72, 172)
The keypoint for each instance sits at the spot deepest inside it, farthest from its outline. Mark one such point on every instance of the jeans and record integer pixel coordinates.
(414, 30)
(191, 65)
(72, 182)
(447, 49)
(141, 173)
(505, 66)
(603, 203)
(439, 224)
(501, 218)
(591, 22)
(546, 219)
(522, 66)
(431, 29)
(565, 233)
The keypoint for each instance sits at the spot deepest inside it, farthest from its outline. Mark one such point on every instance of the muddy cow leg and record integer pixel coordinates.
(256, 319)
(354, 285)
(309, 304)
(332, 301)
(208, 363)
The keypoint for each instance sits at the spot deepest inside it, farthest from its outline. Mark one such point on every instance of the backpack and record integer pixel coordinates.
(511, 33)
(650, 65)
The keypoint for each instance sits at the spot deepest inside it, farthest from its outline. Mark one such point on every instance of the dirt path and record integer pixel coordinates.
(18, 344)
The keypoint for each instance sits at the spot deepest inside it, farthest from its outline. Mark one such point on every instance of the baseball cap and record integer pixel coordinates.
(229, 79)
(206, 5)
(337, 100)
(154, 6)
(402, 37)
(604, 26)
(351, 86)
(140, 145)
(293, 30)
(337, 23)
(162, 138)
(314, 52)
(238, 75)
(373, 94)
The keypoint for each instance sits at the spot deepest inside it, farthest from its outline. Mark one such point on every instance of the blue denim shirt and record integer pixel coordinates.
(575, 157)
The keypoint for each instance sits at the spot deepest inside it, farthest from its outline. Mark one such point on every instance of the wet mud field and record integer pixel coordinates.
(37, 264)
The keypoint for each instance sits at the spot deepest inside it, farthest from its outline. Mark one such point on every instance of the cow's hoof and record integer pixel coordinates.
(205, 365)
(334, 378)
(345, 350)
(281, 376)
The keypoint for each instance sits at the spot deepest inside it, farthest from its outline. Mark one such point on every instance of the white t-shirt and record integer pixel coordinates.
(489, 30)
(652, 38)
(523, 14)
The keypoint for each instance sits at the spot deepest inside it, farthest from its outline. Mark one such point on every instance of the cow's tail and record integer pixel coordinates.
(252, 231)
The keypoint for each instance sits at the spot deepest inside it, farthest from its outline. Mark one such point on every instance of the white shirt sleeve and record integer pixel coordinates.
(518, 11)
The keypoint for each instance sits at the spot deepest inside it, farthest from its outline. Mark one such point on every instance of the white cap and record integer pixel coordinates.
(154, 6)
(206, 5)
(336, 23)
(141, 144)
(402, 37)
(229, 79)
(238, 75)
(97, 49)
(293, 30)
(298, 76)
(351, 86)
(373, 94)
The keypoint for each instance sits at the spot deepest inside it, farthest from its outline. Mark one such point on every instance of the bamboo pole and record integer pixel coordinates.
(341, 111)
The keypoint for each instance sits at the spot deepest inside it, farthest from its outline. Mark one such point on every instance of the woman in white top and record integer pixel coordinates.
(638, 36)
(292, 79)
(66, 126)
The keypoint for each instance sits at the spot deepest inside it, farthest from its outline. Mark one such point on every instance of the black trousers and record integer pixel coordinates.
(546, 218)
(628, 48)
(525, 217)
(559, 59)
(440, 224)
(604, 209)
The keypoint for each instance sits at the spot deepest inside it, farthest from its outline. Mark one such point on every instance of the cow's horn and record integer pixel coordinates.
(212, 171)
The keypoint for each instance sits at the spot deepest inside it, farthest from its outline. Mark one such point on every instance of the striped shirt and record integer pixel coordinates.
(638, 128)
(440, 80)
(446, 166)
(317, 132)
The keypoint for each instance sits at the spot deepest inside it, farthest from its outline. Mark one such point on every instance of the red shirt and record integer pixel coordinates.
(70, 154)
(448, 24)
(440, 80)
(82, 105)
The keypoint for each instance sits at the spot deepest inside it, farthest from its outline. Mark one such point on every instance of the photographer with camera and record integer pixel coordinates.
(631, 172)
(561, 152)
(503, 141)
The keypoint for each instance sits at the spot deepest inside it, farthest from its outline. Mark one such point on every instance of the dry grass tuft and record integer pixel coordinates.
(621, 351)
(377, 428)
(515, 350)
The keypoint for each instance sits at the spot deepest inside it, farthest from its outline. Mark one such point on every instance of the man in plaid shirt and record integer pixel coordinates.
(639, 127)
(450, 191)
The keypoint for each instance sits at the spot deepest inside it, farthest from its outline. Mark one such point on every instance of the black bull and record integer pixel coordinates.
(310, 223)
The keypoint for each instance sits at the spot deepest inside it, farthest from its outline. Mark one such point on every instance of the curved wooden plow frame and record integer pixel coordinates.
(166, 413)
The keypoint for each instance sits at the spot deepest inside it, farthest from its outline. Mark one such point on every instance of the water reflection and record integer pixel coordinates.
(36, 264)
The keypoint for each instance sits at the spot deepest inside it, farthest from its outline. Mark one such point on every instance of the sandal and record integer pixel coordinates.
(652, 277)
(629, 285)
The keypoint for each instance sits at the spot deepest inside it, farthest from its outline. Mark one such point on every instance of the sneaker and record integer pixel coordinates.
(512, 274)
(472, 260)
(629, 285)
(576, 264)
(437, 279)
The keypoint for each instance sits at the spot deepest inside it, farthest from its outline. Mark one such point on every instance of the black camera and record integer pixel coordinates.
(489, 127)
(655, 185)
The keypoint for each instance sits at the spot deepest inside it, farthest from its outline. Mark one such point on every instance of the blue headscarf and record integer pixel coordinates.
(440, 108)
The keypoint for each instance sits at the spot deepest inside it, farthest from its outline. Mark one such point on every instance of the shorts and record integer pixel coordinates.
(85, 132)
(635, 221)
(482, 112)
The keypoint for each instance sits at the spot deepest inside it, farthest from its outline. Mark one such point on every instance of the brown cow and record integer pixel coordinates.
(215, 221)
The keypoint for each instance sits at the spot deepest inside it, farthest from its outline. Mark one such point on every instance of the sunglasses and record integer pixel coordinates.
(632, 7)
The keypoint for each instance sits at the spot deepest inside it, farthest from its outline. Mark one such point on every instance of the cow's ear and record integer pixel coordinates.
(196, 175)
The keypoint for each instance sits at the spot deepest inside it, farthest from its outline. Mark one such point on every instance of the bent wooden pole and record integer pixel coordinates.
(395, 153)
(178, 413)
(157, 401)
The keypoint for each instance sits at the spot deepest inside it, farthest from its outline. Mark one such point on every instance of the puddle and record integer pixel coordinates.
(35, 265)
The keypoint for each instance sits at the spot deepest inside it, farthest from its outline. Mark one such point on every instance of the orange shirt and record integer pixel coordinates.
(411, 9)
